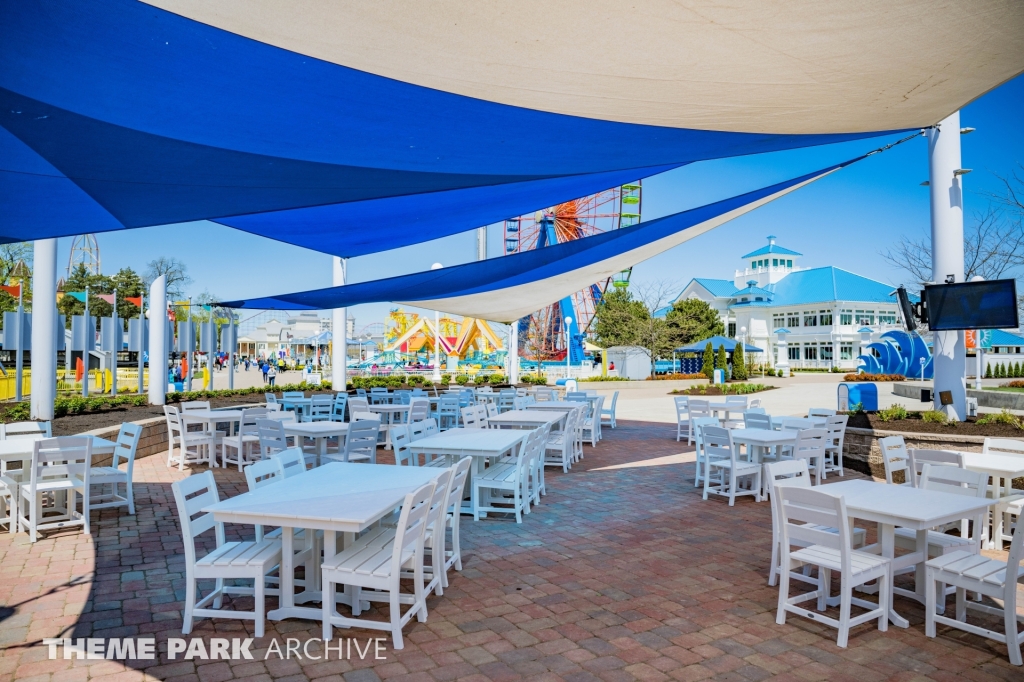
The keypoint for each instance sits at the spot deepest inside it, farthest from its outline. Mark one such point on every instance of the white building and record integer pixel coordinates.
(822, 308)
(272, 337)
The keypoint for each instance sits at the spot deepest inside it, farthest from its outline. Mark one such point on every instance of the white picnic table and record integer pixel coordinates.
(20, 449)
(393, 413)
(337, 497)
(799, 422)
(480, 444)
(556, 405)
(301, 406)
(319, 432)
(920, 510)
(1003, 469)
(527, 418)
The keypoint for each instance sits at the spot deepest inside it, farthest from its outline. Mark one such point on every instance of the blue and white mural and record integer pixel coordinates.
(898, 352)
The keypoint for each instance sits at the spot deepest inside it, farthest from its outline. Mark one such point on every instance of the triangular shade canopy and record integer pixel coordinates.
(508, 288)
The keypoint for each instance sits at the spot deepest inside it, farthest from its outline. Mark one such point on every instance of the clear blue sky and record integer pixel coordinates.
(843, 220)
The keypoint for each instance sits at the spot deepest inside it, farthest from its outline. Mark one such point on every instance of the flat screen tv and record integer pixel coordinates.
(972, 305)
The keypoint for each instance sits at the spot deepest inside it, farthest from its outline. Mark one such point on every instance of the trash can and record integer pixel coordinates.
(852, 393)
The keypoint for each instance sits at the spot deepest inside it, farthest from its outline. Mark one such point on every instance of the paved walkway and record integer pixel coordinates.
(622, 573)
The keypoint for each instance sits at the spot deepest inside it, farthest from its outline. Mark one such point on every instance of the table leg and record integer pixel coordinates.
(887, 539)
(287, 571)
(321, 450)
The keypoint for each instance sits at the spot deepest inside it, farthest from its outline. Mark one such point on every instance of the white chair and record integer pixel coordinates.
(272, 437)
(802, 512)
(9, 502)
(606, 412)
(60, 470)
(753, 404)
(338, 407)
(32, 430)
(558, 450)
(793, 472)
(682, 418)
(245, 443)
(534, 484)
(270, 398)
(507, 400)
(835, 434)
(756, 420)
(375, 561)
(434, 537)
(701, 457)
(360, 443)
(592, 423)
(358, 404)
(401, 440)
(492, 409)
(447, 414)
(474, 417)
(419, 409)
(919, 456)
(193, 447)
(820, 412)
(229, 561)
(696, 409)
(896, 459)
(290, 462)
(509, 476)
(735, 403)
(722, 456)
(194, 405)
(127, 443)
(456, 491)
(966, 571)
(1010, 503)
(810, 446)
(320, 408)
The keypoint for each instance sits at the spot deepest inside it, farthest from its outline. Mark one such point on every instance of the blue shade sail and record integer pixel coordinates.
(160, 119)
(507, 288)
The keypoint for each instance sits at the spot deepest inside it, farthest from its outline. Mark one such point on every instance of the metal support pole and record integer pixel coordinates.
(85, 351)
(113, 359)
(158, 341)
(436, 378)
(44, 329)
(19, 360)
(142, 335)
(339, 331)
(481, 243)
(513, 354)
(947, 217)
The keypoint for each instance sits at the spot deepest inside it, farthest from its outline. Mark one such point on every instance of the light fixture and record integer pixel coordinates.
(925, 183)
(961, 171)
(966, 131)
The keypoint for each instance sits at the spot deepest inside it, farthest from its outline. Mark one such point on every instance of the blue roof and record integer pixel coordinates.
(820, 285)
(865, 330)
(1001, 338)
(773, 249)
(720, 288)
(716, 341)
(753, 291)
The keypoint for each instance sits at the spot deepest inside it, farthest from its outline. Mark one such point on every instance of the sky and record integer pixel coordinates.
(844, 220)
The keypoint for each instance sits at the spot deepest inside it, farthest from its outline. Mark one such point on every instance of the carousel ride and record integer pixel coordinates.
(411, 338)
(542, 336)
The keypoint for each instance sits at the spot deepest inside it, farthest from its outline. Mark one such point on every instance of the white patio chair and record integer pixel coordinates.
(447, 414)
(1010, 504)
(358, 404)
(492, 409)
(193, 447)
(360, 443)
(683, 425)
(919, 456)
(810, 446)
(835, 434)
(802, 512)
(722, 456)
(608, 412)
(127, 443)
(558, 450)
(474, 417)
(895, 459)
(375, 561)
(736, 403)
(270, 398)
(338, 407)
(290, 462)
(592, 423)
(434, 536)
(696, 409)
(701, 457)
(820, 412)
(418, 429)
(194, 405)
(229, 561)
(453, 511)
(509, 476)
(507, 400)
(754, 403)
(60, 471)
(793, 472)
(272, 437)
(320, 408)
(966, 571)
(401, 441)
(245, 443)
(544, 393)
(32, 430)
(756, 420)
(9, 502)
(419, 409)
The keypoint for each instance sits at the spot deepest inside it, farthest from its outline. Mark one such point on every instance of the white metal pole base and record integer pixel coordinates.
(44, 329)
(158, 341)
(339, 331)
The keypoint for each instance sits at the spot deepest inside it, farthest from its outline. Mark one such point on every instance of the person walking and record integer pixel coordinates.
(265, 367)
(271, 375)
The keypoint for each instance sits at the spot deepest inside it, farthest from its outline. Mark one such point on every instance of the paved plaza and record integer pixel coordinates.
(623, 572)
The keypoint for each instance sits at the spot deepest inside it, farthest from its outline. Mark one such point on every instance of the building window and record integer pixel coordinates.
(886, 317)
(793, 320)
(732, 330)
(775, 262)
(789, 263)
(778, 322)
(825, 318)
(865, 317)
(846, 352)
(810, 320)
(811, 352)
(846, 317)
(826, 352)
(794, 352)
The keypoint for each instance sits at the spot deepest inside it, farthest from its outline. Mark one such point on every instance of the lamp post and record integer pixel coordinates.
(436, 378)
(568, 350)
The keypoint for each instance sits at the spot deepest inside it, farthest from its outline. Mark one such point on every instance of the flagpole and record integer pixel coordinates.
(85, 346)
(116, 334)
(19, 342)
(142, 336)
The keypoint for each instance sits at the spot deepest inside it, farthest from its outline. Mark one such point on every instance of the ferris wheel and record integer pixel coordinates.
(542, 334)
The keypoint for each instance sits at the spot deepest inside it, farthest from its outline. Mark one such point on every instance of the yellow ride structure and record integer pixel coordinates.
(412, 333)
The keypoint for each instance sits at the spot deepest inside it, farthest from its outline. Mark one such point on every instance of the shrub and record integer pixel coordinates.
(446, 379)
(1012, 384)
(497, 379)
(988, 371)
(611, 378)
(462, 379)
(893, 413)
(1016, 369)
(743, 389)
(739, 365)
(708, 366)
(1004, 417)
(874, 377)
(672, 377)
(1001, 370)
(934, 417)
(416, 380)
(541, 380)
(17, 412)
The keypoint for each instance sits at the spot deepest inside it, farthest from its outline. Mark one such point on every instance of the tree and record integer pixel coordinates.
(176, 272)
(988, 371)
(629, 318)
(535, 342)
(708, 364)
(126, 282)
(722, 361)
(129, 285)
(10, 256)
(693, 320)
(739, 364)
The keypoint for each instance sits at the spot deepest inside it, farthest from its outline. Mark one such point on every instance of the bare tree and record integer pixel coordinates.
(11, 255)
(633, 319)
(176, 272)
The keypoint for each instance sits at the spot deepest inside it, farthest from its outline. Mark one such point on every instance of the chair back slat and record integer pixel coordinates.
(798, 506)
(194, 405)
(820, 412)
(792, 472)
(756, 420)
(191, 495)
(401, 441)
(412, 522)
(127, 443)
(272, 436)
(64, 457)
(895, 458)
(290, 462)
(953, 480)
(362, 438)
(19, 430)
(1003, 446)
(919, 456)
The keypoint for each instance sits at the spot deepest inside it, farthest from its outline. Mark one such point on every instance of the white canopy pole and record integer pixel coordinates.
(513, 353)
(158, 341)
(44, 329)
(339, 332)
(947, 209)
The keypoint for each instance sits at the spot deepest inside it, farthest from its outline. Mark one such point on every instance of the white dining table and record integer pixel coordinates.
(301, 406)
(1003, 469)
(799, 422)
(20, 449)
(556, 405)
(338, 497)
(393, 413)
(917, 509)
(480, 444)
(319, 432)
(531, 419)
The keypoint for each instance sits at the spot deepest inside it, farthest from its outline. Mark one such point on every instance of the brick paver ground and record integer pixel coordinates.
(622, 573)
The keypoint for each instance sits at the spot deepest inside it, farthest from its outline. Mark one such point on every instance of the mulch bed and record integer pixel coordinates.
(915, 424)
(712, 390)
